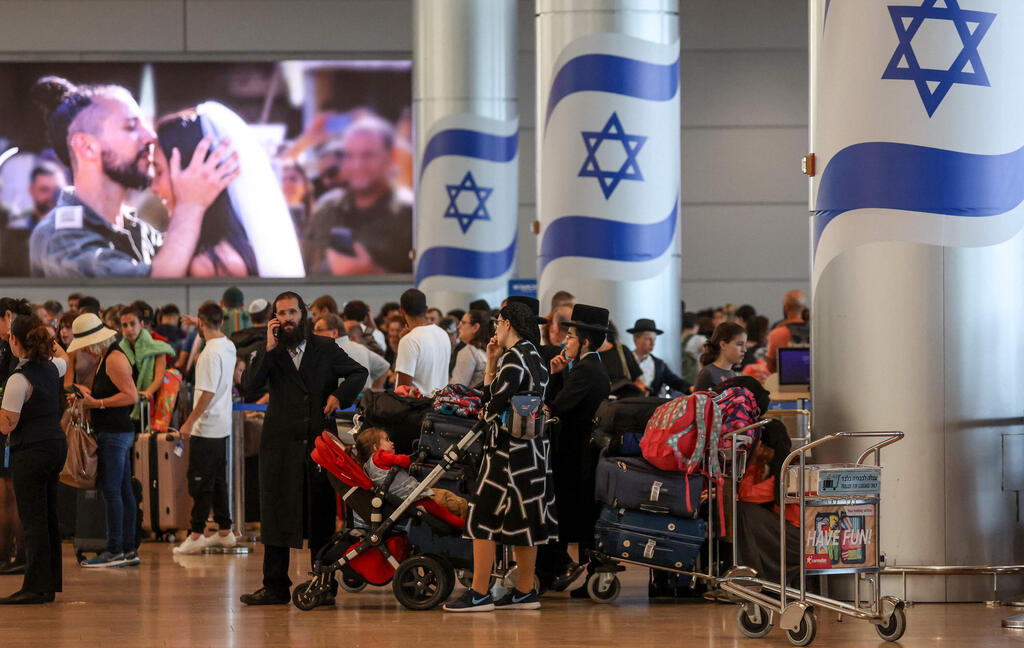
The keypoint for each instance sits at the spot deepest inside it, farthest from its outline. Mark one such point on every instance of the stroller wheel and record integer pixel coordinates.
(450, 575)
(352, 584)
(305, 597)
(421, 583)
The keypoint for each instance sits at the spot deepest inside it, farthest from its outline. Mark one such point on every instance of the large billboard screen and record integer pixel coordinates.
(304, 169)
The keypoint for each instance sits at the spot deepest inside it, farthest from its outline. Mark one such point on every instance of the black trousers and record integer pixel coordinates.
(320, 511)
(207, 482)
(36, 472)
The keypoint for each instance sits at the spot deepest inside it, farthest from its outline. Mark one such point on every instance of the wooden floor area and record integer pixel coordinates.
(193, 601)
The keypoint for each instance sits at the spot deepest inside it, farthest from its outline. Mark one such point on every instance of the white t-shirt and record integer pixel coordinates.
(470, 365)
(18, 389)
(424, 353)
(373, 363)
(214, 372)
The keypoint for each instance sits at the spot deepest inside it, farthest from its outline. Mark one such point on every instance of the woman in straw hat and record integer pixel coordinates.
(110, 398)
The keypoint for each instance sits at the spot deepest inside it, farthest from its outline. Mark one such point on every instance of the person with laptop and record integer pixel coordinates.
(723, 351)
(791, 331)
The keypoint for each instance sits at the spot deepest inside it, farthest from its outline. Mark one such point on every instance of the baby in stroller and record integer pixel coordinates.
(376, 453)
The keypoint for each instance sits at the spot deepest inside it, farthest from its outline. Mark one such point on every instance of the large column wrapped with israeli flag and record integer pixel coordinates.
(467, 149)
(608, 158)
(918, 271)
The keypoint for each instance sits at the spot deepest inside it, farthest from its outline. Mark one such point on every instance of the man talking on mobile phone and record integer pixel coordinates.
(302, 371)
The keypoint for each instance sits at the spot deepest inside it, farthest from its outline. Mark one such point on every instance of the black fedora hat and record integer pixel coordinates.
(530, 302)
(643, 325)
(589, 318)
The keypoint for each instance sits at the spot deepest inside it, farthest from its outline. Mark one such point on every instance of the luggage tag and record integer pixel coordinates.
(179, 448)
(649, 549)
(7, 456)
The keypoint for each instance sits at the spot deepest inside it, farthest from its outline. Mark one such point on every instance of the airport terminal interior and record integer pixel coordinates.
(532, 322)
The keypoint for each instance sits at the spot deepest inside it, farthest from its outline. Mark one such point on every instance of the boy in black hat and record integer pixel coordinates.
(656, 373)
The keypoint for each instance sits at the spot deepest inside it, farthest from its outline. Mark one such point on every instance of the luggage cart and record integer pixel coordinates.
(765, 603)
(604, 586)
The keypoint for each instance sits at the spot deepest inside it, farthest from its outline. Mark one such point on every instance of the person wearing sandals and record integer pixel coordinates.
(513, 502)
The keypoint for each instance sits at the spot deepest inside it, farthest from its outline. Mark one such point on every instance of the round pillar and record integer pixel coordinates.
(918, 258)
(467, 149)
(608, 159)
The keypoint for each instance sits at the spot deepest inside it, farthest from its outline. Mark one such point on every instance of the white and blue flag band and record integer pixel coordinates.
(467, 205)
(609, 168)
(918, 131)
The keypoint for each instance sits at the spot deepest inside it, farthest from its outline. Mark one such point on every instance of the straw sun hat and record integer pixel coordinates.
(87, 329)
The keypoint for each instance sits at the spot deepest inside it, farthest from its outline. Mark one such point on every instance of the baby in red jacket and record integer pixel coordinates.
(377, 454)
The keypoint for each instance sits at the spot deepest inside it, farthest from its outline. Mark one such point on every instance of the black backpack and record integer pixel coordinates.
(620, 424)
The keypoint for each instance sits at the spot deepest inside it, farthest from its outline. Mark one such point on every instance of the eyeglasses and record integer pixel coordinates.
(571, 336)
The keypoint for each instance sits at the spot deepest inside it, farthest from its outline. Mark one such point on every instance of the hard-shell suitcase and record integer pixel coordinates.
(619, 424)
(440, 431)
(649, 538)
(632, 483)
(144, 466)
(175, 504)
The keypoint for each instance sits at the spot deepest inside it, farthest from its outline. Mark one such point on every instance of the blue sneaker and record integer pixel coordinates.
(516, 600)
(105, 559)
(470, 601)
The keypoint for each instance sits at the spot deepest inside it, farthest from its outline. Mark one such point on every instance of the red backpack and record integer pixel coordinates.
(681, 432)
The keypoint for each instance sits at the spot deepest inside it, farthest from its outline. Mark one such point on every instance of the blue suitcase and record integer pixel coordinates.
(649, 538)
(632, 483)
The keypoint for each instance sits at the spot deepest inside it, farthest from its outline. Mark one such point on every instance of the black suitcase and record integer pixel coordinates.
(632, 483)
(620, 424)
(440, 431)
(401, 416)
(91, 521)
(458, 480)
(649, 538)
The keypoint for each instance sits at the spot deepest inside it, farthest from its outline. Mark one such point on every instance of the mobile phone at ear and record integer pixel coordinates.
(342, 241)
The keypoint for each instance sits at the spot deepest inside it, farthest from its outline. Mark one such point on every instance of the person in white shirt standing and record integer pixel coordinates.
(207, 430)
(423, 352)
(330, 325)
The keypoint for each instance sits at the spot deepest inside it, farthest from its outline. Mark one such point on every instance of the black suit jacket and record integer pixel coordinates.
(664, 376)
(573, 458)
(294, 419)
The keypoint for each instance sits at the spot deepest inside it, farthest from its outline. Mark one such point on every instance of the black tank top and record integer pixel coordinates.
(110, 419)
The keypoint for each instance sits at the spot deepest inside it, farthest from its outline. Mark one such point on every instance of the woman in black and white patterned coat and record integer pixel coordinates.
(513, 502)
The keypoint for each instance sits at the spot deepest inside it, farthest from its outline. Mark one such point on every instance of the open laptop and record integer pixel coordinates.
(794, 369)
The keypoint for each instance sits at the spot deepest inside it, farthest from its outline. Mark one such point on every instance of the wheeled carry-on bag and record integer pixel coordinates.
(632, 483)
(649, 538)
(440, 431)
(175, 504)
(144, 466)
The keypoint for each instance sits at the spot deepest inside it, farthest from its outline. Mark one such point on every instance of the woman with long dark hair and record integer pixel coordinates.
(248, 230)
(723, 351)
(30, 414)
(513, 502)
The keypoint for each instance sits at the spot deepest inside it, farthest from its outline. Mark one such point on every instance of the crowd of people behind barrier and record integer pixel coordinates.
(304, 363)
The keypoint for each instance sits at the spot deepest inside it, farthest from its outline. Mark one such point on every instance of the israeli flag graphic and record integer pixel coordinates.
(609, 169)
(467, 203)
(918, 129)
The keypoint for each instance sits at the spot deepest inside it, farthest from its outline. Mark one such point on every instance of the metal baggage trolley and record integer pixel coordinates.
(762, 603)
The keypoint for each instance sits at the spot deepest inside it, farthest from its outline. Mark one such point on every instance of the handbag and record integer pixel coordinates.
(528, 419)
(82, 463)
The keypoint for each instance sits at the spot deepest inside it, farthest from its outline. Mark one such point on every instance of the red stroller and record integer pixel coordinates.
(423, 575)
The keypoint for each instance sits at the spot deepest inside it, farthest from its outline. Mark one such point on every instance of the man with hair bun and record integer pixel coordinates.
(101, 133)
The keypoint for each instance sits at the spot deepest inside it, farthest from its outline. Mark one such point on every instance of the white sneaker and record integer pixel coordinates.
(218, 540)
(191, 546)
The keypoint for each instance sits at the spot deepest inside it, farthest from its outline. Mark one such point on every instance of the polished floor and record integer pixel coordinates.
(193, 601)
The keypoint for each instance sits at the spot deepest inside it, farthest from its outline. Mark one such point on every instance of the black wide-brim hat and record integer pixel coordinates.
(530, 302)
(588, 318)
(644, 325)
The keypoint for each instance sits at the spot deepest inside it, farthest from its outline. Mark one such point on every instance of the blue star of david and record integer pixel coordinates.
(479, 213)
(970, 25)
(629, 170)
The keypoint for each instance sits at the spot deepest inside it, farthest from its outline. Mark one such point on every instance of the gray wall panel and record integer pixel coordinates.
(744, 165)
(743, 24)
(98, 25)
